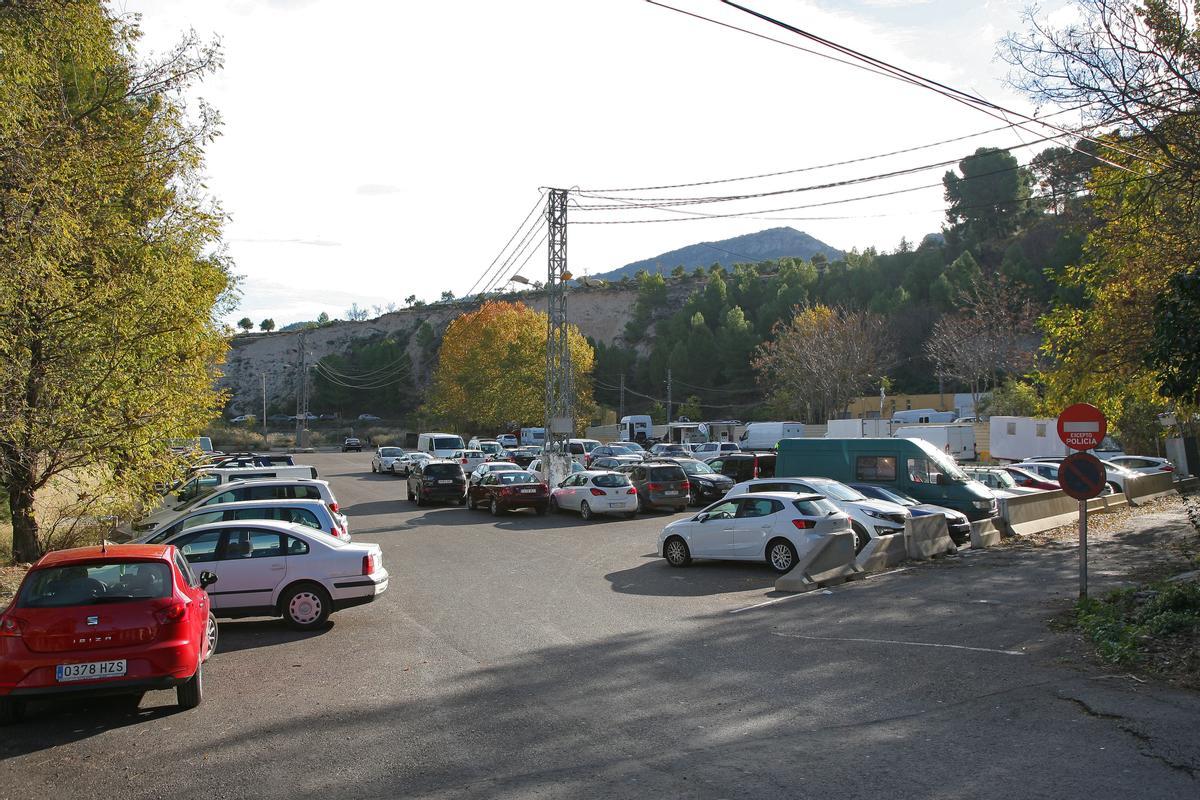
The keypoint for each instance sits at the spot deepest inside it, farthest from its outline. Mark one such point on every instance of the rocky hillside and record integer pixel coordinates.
(765, 245)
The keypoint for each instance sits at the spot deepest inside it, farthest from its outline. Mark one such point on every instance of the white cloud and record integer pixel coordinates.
(375, 189)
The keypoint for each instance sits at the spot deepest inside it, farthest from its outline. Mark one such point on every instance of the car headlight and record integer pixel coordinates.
(876, 514)
(983, 504)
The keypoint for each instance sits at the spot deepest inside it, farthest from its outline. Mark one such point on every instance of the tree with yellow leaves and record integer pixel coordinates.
(492, 369)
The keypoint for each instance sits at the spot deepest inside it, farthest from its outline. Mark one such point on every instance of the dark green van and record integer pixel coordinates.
(912, 466)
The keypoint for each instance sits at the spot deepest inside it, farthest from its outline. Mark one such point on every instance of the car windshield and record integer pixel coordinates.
(946, 464)
(508, 478)
(611, 480)
(1005, 480)
(839, 491)
(619, 450)
(490, 447)
(448, 443)
(697, 468)
(390, 452)
(891, 496)
(91, 584)
(443, 470)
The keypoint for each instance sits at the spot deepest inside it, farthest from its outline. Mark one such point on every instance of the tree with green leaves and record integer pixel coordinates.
(990, 200)
(267, 325)
(111, 292)
(246, 324)
(322, 319)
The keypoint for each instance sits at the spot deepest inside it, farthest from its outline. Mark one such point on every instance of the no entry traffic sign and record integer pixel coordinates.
(1082, 426)
(1082, 476)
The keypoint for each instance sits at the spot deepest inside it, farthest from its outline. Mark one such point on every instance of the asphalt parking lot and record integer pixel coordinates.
(535, 656)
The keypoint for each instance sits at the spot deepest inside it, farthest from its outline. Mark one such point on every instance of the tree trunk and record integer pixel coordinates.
(25, 545)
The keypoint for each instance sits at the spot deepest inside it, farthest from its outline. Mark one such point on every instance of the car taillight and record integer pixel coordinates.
(598, 492)
(1167, 468)
(175, 612)
(802, 524)
(333, 507)
(654, 487)
(631, 490)
(685, 486)
(506, 490)
(544, 487)
(11, 626)
(368, 564)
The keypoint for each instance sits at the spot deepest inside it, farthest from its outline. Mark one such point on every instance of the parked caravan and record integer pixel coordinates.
(766, 435)
(911, 466)
(953, 440)
(922, 416)
(858, 428)
(1023, 438)
(533, 437)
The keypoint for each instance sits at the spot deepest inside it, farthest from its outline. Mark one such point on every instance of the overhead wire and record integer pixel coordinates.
(489, 270)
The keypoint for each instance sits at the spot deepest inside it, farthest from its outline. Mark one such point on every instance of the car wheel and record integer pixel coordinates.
(211, 632)
(494, 508)
(410, 494)
(419, 500)
(541, 510)
(642, 507)
(11, 710)
(585, 511)
(781, 555)
(676, 552)
(553, 506)
(694, 496)
(860, 536)
(680, 509)
(1116, 489)
(306, 606)
(373, 467)
(462, 501)
(189, 693)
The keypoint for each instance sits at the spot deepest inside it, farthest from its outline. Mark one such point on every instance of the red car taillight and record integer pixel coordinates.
(506, 490)
(654, 487)
(175, 612)
(368, 565)
(1167, 468)
(333, 507)
(803, 524)
(686, 486)
(11, 626)
(544, 487)
(631, 490)
(599, 492)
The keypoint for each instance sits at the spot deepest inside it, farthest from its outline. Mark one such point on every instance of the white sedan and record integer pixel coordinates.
(592, 493)
(385, 459)
(776, 527)
(266, 568)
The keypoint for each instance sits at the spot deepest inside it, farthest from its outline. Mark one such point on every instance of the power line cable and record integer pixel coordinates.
(520, 227)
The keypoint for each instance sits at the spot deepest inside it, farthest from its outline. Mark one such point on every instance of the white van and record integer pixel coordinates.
(209, 477)
(766, 435)
(440, 445)
(635, 427)
(922, 416)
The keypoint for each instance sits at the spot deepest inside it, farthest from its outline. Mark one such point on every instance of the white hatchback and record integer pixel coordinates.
(591, 493)
(280, 569)
(776, 527)
(470, 459)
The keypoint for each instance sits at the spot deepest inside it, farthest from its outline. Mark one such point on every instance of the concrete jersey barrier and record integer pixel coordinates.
(985, 533)
(1148, 487)
(928, 536)
(1034, 513)
(827, 562)
(883, 552)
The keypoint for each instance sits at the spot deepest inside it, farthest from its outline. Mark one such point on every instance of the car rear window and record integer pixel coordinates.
(390, 452)
(815, 508)
(444, 470)
(667, 474)
(91, 584)
(509, 477)
(611, 481)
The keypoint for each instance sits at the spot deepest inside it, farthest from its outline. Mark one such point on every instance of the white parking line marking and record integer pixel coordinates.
(811, 594)
(893, 641)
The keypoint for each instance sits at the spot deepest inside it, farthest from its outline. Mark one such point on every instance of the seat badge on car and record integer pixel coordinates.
(93, 620)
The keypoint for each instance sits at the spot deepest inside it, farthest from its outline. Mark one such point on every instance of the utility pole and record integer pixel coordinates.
(621, 405)
(668, 395)
(560, 412)
(264, 416)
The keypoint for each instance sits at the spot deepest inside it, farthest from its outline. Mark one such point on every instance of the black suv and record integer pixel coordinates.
(437, 479)
(744, 466)
(659, 483)
(706, 484)
(352, 443)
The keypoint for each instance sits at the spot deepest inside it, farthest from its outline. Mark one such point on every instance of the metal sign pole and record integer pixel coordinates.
(1083, 549)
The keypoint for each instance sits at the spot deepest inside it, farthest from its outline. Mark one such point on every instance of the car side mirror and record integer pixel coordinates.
(207, 579)
(702, 517)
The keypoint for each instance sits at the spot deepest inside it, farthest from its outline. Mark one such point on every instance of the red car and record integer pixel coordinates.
(505, 491)
(1027, 479)
(118, 619)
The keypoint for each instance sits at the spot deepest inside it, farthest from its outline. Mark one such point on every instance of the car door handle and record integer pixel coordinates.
(278, 566)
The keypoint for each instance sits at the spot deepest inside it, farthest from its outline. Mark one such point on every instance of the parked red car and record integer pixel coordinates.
(119, 619)
(505, 491)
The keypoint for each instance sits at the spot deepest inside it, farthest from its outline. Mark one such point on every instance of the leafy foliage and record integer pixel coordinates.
(113, 278)
(492, 369)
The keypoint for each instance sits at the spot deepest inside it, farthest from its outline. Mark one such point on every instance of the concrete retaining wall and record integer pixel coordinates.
(928, 536)
(1034, 513)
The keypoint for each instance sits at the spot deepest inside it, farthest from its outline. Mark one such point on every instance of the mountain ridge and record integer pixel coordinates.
(765, 245)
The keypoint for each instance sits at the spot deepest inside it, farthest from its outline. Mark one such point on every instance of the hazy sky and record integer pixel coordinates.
(374, 150)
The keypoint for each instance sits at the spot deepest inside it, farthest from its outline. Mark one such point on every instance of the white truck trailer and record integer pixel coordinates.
(858, 429)
(1022, 438)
